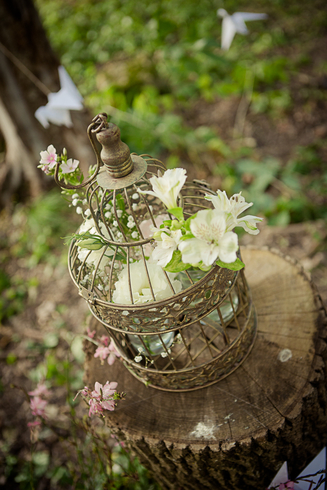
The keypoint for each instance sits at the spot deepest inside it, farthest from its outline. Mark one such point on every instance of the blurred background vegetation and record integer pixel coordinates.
(253, 119)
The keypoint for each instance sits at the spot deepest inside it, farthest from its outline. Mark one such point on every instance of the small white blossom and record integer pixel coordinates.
(115, 223)
(107, 215)
(79, 210)
(135, 234)
(119, 213)
(131, 224)
(75, 196)
(87, 213)
(135, 206)
(70, 166)
(138, 358)
(75, 202)
(135, 196)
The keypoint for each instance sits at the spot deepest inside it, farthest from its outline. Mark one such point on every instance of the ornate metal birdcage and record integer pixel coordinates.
(174, 331)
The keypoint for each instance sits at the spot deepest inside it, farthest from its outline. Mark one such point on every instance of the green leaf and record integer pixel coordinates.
(177, 212)
(233, 266)
(176, 264)
(91, 244)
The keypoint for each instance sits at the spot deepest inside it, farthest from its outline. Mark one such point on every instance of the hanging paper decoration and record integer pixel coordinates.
(235, 23)
(60, 103)
(306, 480)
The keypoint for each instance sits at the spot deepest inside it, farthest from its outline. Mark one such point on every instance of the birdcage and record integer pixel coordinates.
(174, 331)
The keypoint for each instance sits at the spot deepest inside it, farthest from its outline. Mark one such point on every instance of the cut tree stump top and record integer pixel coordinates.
(268, 390)
(258, 396)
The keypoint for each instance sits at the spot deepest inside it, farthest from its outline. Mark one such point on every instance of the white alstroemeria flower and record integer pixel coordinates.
(211, 240)
(166, 246)
(232, 208)
(167, 187)
(140, 284)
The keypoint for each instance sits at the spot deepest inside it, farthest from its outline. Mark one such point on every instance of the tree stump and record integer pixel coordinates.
(236, 433)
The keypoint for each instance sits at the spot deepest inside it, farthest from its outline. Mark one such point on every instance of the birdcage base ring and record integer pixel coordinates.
(206, 374)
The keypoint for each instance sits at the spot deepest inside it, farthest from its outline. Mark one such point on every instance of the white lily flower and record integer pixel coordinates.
(167, 187)
(232, 208)
(165, 248)
(141, 291)
(211, 240)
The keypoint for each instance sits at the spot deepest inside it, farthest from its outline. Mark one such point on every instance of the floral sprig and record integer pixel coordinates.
(205, 238)
(103, 397)
(68, 169)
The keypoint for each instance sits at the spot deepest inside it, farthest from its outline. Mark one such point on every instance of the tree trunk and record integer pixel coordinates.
(237, 433)
(28, 69)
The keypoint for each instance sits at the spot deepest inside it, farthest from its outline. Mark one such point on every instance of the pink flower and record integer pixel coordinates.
(90, 334)
(36, 423)
(95, 407)
(108, 405)
(40, 390)
(102, 352)
(38, 406)
(49, 157)
(113, 353)
(287, 485)
(105, 340)
(109, 388)
(70, 166)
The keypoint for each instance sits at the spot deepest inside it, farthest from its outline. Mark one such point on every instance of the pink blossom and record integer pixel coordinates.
(91, 334)
(113, 353)
(49, 157)
(38, 406)
(70, 166)
(105, 340)
(108, 405)
(40, 390)
(102, 352)
(35, 423)
(109, 388)
(95, 407)
(287, 485)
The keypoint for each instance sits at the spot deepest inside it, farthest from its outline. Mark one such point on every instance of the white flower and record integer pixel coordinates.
(232, 208)
(70, 166)
(165, 248)
(138, 358)
(140, 285)
(167, 187)
(135, 196)
(135, 234)
(211, 240)
(79, 210)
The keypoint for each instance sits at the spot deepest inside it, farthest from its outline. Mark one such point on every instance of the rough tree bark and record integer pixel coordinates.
(236, 434)
(23, 38)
